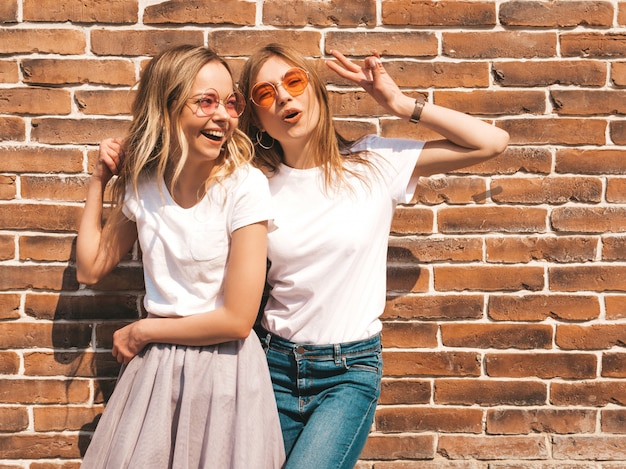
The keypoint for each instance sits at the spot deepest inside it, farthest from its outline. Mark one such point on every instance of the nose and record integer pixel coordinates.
(282, 95)
(220, 113)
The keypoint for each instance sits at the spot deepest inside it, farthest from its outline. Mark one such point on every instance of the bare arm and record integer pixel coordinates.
(243, 287)
(98, 248)
(466, 141)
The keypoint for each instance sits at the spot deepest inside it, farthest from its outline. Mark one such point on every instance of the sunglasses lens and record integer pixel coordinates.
(263, 94)
(209, 102)
(235, 104)
(295, 81)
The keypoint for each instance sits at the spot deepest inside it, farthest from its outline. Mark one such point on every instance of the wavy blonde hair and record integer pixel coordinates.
(156, 143)
(331, 151)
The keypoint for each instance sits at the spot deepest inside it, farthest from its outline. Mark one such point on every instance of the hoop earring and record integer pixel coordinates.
(259, 140)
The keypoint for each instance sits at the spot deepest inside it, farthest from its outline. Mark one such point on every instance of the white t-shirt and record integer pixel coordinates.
(185, 251)
(328, 251)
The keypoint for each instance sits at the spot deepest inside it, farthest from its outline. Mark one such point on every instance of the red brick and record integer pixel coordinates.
(596, 161)
(57, 418)
(592, 45)
(589, 219)
(411, 250)
(492, 219)
(390, 447)
(81, 131)
(618, 132)
(407, 279)
(540, 307)
(40, 160)
(547, 190)
(104, 102)
(8, 187)
(615, 306)
(387, 44)
(497, 336)
(444, 13)
(549, 131)
(44, 391)
(613, 420)
(550, 72)
(404, 391)
(430, 364)
(409, 335)
(243, 42)
(614, 365)
(428, 419)
(75, 364)
(9, 306)
(490, 392)
(78, 71)
(614, 248)
(556, 14)
(81, 11)
(8, 11)
(440, 307)
(140, 42)
(618, 74)
(47, 248)
(34, 101)
(12, 128)
(541, 365)
(481, 447)
(596, 393)
(592, 337)
(36, 446)
(588, 102)
(230, 12)
(302, 13)
(600, 448)
(29, 216)
(590, 278)
(112, 306)
(499, 44)
(8, 71)
(525, 421)
(616, 190)
(493, 103)
(42, 41)
(13, 419)
(513, 250)
(9, 362)
(450, 190)
(488, 278)
(412, 220)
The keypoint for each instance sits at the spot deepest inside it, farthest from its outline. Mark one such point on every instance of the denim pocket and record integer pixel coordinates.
(370, 362)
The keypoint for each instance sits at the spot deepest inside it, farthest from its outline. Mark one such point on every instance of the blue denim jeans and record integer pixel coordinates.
(326, 397)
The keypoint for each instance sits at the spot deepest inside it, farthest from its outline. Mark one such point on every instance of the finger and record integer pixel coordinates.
(347, 63)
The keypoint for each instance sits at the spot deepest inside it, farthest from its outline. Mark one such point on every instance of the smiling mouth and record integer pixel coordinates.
(214, 135)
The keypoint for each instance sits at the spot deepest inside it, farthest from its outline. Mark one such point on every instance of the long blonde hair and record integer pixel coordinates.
(163, 89)
(330, 152)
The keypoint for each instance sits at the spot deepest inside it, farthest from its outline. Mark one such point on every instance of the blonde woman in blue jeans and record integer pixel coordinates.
(334, 202)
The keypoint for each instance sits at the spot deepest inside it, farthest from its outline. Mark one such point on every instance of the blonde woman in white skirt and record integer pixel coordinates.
(194, 391)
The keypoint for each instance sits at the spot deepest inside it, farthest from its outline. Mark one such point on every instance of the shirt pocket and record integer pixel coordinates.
(209, 244)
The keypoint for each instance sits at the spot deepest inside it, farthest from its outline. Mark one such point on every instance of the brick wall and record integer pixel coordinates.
(506, 321)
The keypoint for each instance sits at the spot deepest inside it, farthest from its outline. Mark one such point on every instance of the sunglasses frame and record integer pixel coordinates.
(280, 83)
(197, 100)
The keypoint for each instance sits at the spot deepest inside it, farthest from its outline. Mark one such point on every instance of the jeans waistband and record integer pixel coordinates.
(321, 352)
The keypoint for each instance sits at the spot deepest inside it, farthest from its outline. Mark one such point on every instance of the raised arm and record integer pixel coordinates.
(98, 248)
(243, 287)
(467, 140)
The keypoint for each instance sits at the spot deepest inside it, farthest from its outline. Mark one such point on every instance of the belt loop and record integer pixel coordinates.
(268, 338)
(337, 355)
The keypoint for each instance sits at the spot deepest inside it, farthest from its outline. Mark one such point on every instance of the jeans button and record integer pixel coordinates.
(300, 350)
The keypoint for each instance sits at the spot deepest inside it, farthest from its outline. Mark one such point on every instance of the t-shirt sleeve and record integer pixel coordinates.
(252, 202)
(131, 204)
(400, 157)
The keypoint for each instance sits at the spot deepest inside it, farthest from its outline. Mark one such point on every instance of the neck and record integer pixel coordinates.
(190, 185)
(298, 156)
